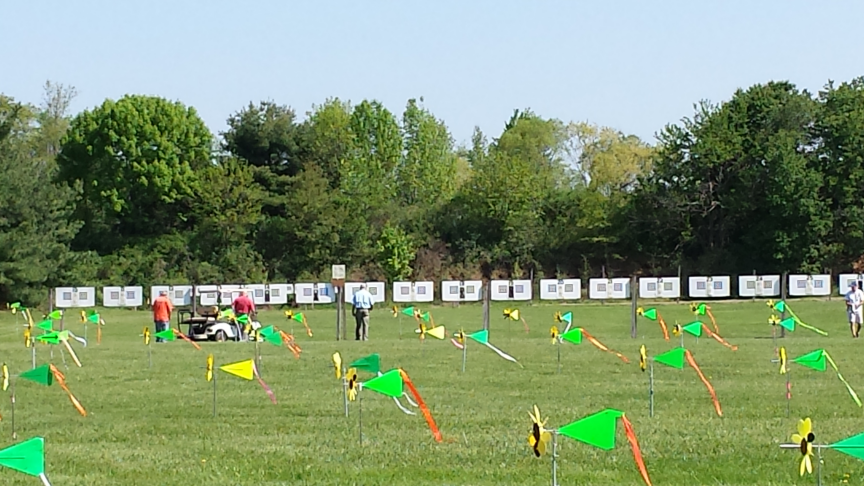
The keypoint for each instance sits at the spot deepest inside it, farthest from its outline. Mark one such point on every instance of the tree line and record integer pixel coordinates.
(139, 191)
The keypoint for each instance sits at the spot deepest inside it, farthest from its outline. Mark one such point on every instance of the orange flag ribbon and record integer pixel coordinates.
(288, 339)
(637, 453)
(713, 321)
(705, 381)
(423, 408)
(186, 338)
(663, 326)
(601, 346)
(718, 338)
(61, 380)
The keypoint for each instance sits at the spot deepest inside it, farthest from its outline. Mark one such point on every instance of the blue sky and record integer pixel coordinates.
(633, 65)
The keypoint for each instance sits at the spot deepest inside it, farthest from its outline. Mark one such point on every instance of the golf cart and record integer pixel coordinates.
(208, 326)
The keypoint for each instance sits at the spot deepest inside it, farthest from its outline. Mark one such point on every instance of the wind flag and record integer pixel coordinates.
(576, 335)
(817, 360)
(597, 430)
(392, 384)
(370, 364)
(565, 317)
(481, 337)
(790, 322)
(171, 334)
(436, 331)
(804, 442)
(301, 318)
(674, 358)
(695, 328)
(27, 457)
(515, 315)
(703, 309)
(653, 314)
(93, 317)
(242, 369)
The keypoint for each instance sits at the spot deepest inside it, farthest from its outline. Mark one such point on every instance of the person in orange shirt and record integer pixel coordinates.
(162, 313)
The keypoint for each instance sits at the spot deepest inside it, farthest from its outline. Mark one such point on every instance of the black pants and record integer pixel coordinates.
(361, 332)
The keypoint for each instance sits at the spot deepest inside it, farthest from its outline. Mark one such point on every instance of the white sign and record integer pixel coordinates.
(847, 278)
(503, 290)
(461, 291)
(313, 293)
(609, 288)
(759, 285)
(812, 285)
(413, 291)
(122, 296)
(659, 288)
(338, 272)
(564, 289)
(709, 287)
(66, 297)
(374, 288)
(179, 295)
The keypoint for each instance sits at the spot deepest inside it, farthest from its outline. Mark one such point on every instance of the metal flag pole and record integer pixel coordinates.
(651, 388)
(12, 403)
(558, 346)
(360, 415)
(345, 392)
(464, 351)
(214, 393)
(554, 458)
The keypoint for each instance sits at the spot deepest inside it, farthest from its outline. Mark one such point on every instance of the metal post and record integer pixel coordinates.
(783, 285)
(214, 393)
(788, 391)
(464, 351)
(651, 388)
(554, 458)
(345, 391)
(487, 296)
(633, 305)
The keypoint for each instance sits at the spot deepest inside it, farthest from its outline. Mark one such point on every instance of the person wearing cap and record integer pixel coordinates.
(362, 302)
(162, 313)
(854, 302)
(243, 304)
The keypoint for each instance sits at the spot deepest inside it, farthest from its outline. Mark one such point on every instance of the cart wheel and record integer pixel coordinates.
(220, 336)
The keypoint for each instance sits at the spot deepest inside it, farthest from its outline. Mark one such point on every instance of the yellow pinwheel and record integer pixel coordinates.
(337, 363)
(5, 377)
(643, 358)
(559, 318)
(395, 311)
(805, 438)
(511, 314)
(421, 330)
(210, 367)
(676, 329)
(146, 335)
(782, 360)
(553, 332)
(28, 338)
(353, 385)
(640, 311)
(539, 437)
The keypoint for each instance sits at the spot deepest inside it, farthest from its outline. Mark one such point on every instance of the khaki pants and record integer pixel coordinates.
(362, 330)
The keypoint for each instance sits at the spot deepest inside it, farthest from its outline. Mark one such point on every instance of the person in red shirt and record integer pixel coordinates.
(162, 309)
(243, 304)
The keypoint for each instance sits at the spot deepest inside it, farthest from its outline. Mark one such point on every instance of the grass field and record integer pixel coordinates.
(155, 426)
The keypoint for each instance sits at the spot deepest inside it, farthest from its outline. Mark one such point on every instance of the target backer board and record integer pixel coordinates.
(563, 289)
(313, 293)
(502, 290)
(413, 291)
(179, 295)
(609, 288)
(847, 278)
(122, 296)
(277, 293)
(809, 285)
(659, 288)
(712, 287)
(759, 285)
(68, 297)
(374, 288)
(208, 295)
(461, 291)
(229, 292)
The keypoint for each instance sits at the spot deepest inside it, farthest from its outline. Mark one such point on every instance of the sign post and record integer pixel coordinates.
(337, 280)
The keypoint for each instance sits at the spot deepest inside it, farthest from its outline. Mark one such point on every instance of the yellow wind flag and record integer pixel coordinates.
(242, 369)
(437, 331)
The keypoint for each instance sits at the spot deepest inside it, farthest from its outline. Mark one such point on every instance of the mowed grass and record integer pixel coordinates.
(155, 426)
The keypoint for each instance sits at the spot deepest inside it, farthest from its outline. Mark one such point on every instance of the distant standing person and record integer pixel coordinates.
(243, 304)
(362, 302)
(162, 309)
(854, 302)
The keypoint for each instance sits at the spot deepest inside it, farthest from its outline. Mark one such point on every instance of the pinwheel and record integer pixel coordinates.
(351, 380)
(436, 331)
(146, 335)
(299, 317)
(597, 430)
(804, 442)
(515, 315)
(674, 358)
(703, 309)
(553, 333)
(370, 364)
(653, 314)
(242, 369)
(789, 322)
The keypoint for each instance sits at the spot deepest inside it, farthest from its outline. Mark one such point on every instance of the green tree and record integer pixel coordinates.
(265, 136)
(36, 224)
(136, 161)
(428, 172)
(396, 251)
